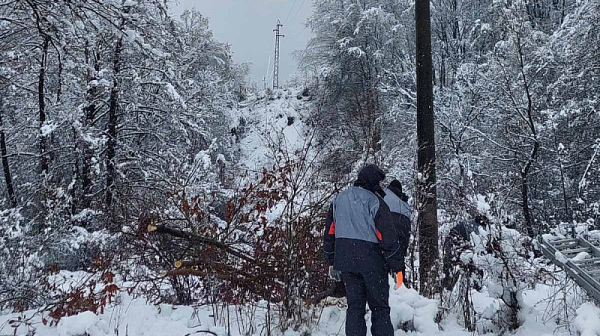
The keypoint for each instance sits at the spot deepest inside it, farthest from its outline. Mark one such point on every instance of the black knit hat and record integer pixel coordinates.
(396, 185)
(396, 188)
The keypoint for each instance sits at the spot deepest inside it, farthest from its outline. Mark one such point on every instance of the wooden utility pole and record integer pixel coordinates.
(426, 178)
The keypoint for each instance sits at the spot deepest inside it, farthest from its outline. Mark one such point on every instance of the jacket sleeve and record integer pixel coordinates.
(389, 238)
(329, 236)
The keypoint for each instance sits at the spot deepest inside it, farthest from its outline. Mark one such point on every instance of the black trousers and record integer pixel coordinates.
(372, 288)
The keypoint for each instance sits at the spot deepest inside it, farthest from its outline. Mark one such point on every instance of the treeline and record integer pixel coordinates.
(108, 110)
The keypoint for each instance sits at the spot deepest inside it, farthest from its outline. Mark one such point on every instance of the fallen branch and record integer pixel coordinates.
(196, 272)
(193, 238)
(187, 263)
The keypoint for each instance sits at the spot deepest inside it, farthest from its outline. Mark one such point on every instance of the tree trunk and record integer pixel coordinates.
(525, 200)
(84, 152)
(536, 145)
(112, 128)
(7, 175)
(42, 106)
(426, 181)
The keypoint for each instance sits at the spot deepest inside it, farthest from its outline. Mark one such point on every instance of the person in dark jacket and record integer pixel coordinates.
(457, 242)
(400, 214)
(362, 246)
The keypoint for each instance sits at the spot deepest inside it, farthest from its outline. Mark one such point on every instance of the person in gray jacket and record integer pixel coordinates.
(362, 246)
(400, 214)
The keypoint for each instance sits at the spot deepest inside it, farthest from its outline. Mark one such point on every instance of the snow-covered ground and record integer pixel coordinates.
(136, 317)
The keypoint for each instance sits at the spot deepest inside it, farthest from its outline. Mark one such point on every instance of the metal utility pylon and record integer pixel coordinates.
(276, 60)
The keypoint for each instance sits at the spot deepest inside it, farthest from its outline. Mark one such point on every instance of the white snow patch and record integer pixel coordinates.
(80, 324)
(580, 256)
(48, 128)
(174, 94)
(408, 305)
(130, 35)
(587, 321)
(560, 257)
(204, 158)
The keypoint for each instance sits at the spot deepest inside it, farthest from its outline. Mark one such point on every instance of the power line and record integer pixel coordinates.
(290, 12)
(296, 15)
(299, 8)
(268, 70)
(300, 32)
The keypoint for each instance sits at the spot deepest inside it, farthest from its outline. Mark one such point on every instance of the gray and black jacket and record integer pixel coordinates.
(359, 232)
(400, 214)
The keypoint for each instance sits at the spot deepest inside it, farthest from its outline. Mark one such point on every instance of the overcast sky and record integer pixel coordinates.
(247, 25)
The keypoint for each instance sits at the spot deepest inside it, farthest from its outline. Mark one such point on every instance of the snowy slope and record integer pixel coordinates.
(269, 122)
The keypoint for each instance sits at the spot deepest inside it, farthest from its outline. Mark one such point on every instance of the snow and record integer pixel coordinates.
(560, 257)
(587, 321)
(356, 51)
(274, 128)
(408, 305)
(174, 94)
(79, 325)
(267, 128)
(131, 35)
(481, 203)
(48, 128)
(581, 256)
(134, 316)
(204, 158)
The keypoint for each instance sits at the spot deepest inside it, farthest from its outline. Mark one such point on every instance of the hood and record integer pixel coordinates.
(369, 178)
(396, 187)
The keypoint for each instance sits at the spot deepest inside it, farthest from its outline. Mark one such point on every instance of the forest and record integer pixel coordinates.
(148, 188)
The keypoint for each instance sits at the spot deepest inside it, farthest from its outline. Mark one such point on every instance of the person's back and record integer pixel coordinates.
(354, 213)
(361, 242)
(397, 199)
(400, 216)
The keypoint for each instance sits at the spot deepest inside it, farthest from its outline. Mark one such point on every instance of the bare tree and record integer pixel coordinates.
(5, 166)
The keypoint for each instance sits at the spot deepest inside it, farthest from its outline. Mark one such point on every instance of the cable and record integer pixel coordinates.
(269, 64)
(298, 34)
(290, 12)
(295, 15)
(299, 8)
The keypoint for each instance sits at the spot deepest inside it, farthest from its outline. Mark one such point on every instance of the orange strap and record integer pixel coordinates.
(399, 279)
(378, 235)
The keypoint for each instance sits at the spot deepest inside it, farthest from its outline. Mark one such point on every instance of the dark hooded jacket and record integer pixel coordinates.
(359, 234)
